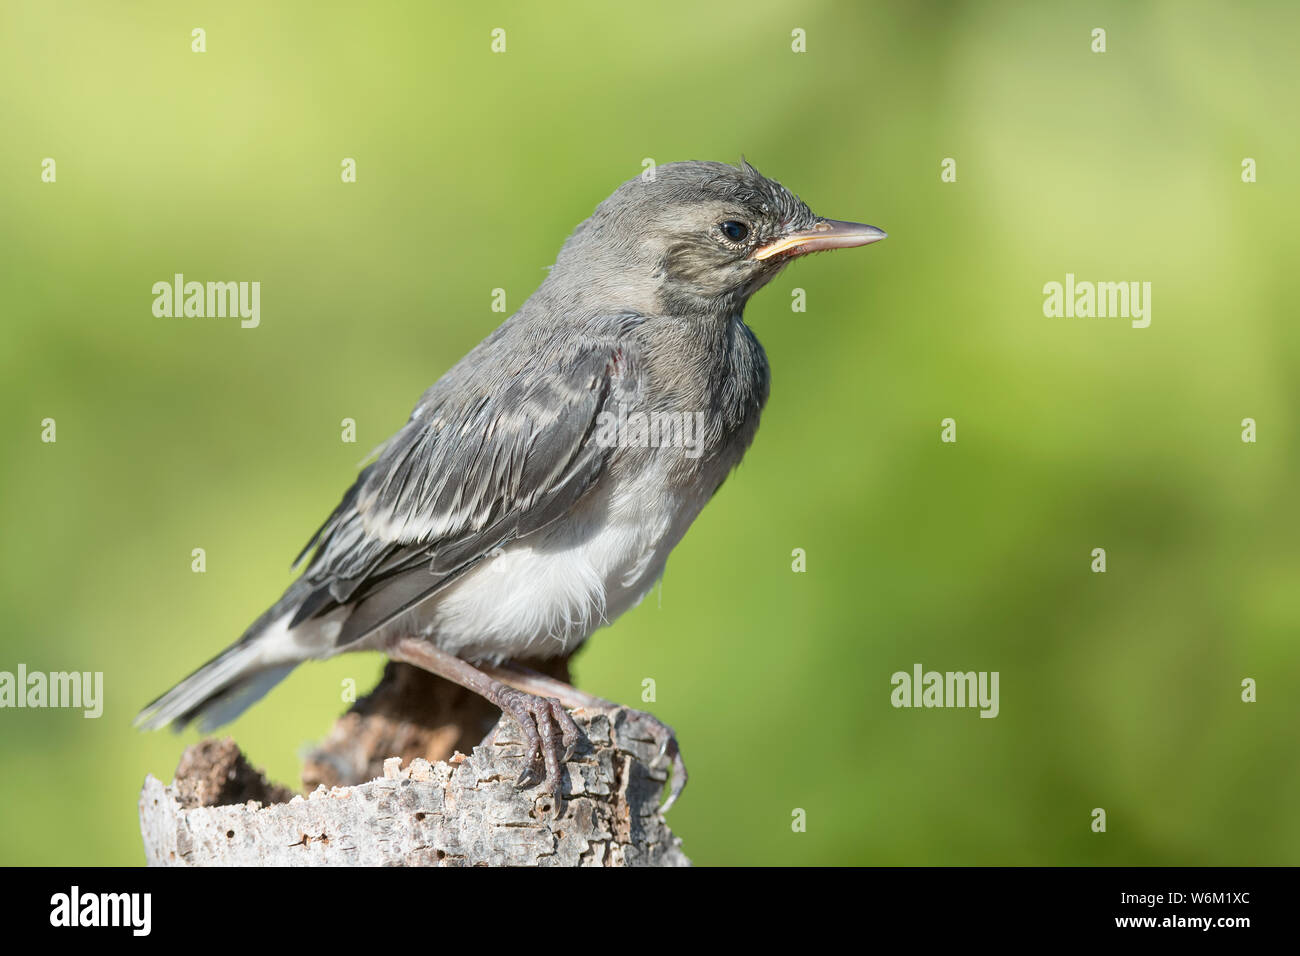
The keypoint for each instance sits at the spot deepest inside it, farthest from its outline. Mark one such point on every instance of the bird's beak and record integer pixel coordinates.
(827, 234)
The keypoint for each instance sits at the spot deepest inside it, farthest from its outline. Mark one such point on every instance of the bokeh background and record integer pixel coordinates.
(1118, 690)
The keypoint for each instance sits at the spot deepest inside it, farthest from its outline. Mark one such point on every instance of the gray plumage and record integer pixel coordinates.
(502, 461)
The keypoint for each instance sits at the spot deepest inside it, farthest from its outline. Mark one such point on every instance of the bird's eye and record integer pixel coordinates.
(735, 231)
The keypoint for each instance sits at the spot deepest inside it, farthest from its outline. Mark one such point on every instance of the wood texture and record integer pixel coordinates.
(462, 812)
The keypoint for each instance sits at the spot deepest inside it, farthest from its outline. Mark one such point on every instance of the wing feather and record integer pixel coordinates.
(485, 459)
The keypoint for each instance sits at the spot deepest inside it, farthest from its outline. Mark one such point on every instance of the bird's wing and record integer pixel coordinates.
(490, 455)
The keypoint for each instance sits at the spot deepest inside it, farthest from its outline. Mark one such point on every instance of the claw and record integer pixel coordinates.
(538, 718)
(570, 733)
(659, 732)
(528, 777)
(678, 784)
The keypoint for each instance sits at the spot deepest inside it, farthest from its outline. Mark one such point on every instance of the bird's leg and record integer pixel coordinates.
(538, 716)
(534, 683)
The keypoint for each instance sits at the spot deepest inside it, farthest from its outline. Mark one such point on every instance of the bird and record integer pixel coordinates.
(538, 487)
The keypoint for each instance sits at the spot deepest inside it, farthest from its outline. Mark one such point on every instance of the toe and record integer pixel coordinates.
(570, 733)
(550, 745)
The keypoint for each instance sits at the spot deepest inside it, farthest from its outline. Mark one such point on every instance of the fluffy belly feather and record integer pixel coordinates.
(543, 596)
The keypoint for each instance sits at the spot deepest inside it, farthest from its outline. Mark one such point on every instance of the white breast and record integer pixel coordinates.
(545, 595)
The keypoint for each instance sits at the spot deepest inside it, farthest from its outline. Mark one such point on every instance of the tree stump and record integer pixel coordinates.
(460, 811)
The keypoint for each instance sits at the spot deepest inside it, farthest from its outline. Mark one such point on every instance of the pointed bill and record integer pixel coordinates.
(827, 234)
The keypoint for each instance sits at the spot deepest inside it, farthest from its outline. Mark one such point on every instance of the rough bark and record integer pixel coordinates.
(410, 713)
(461, 812)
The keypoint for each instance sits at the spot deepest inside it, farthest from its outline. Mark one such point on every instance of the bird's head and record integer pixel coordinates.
(697, 237)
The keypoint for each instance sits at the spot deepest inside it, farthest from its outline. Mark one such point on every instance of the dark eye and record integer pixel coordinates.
(735, 231)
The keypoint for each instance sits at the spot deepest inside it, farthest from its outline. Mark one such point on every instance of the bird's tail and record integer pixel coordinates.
(230, 683)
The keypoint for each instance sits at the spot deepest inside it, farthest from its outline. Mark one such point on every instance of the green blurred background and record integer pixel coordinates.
(1118, 690)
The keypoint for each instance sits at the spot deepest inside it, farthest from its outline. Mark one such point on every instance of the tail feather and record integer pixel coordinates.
(234, 700)
(227, 685)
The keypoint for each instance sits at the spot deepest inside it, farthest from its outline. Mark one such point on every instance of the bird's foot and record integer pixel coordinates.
(639, 724)
(539, 718)
(642, 726)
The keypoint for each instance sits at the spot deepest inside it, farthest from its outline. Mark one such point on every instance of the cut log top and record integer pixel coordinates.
(461, 812)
